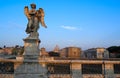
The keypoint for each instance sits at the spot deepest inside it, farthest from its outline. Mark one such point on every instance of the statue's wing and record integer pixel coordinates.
(42, 18)
(26, 11)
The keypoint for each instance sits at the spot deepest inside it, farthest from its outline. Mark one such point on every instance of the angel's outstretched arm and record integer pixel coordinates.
(26, 11)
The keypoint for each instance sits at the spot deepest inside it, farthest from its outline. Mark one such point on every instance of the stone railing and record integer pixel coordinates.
(6, 75)
(46, 58)
(93, 76)
(60, 76)
(117, 75)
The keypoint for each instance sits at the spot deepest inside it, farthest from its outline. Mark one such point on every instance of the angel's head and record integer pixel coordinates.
(26, 8)
(33, 6)
(40, 9)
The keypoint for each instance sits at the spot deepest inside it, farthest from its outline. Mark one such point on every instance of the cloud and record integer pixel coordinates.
(69, 27)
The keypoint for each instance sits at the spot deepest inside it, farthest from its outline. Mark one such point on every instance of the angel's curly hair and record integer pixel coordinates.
(33, 5)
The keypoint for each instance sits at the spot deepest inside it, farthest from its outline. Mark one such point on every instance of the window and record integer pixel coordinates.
(75, 53)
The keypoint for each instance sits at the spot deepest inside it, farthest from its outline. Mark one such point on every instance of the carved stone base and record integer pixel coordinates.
(31, 48)
(31, 68)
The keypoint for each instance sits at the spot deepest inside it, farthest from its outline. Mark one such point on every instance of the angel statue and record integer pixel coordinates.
(34, 18)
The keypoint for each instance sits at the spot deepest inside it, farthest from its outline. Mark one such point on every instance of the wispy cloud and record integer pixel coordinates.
(69, 27)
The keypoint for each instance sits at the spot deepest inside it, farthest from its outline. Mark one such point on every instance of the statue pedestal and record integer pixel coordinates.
(31, 48)
(31, 68)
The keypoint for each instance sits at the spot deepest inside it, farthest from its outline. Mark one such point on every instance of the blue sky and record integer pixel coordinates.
(80, 23)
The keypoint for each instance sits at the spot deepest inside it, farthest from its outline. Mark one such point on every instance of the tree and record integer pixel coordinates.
(14, 51)
(17, 50)
(114, 50)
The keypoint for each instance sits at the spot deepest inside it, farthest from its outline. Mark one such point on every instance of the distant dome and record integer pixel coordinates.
(56, 49)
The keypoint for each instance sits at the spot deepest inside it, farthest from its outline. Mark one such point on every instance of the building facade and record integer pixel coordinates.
(70, 52)
(98, 53)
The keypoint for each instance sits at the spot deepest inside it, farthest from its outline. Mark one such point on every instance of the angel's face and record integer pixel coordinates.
(33, 6)
(40, 9)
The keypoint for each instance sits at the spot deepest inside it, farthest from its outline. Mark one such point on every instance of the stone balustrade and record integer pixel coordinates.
(76, 68)
(60, 76)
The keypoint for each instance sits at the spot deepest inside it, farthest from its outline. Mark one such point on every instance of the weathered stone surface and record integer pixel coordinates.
(6, 76)
(76, 73)
(76, 70)
(109, 71)
(31, 68)
(31, 47)
(30, 76)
